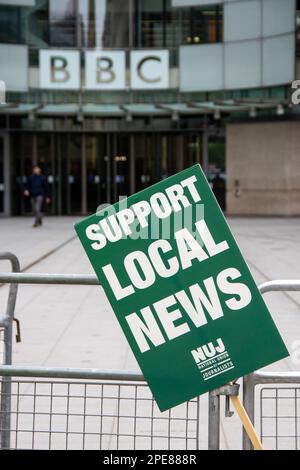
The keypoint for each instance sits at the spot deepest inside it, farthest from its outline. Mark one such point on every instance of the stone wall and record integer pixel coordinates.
(263, 168)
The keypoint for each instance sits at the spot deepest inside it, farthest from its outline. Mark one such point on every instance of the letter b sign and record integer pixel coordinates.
(105, 70)
(59, 69)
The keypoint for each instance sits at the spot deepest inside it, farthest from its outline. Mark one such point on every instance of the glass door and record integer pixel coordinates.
(159, 155)
(70, 171)
(2, 174)
(217, 170)
(46, 159)
(147, 161)
(75, 170)
(192, 145)
(120, 166)
(118, 153)
(96, 159)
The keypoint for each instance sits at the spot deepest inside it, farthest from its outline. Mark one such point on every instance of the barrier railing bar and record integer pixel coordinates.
(71, 373)
(276, 377)
(90, 279)
(281, 285)
(41, 278)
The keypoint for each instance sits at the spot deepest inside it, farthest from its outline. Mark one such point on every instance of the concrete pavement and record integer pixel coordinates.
(74, 326)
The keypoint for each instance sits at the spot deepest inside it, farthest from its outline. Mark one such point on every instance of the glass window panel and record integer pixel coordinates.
(62, 23)
(243, 64)
(13, 66)
(150, 23)
(184, 3)
(278, 16)
(156, 24)
(11, 25)
(298, 29)
(242, 20)
(104, 23)
(278, 60)
(171, 25)
(186, 37)
(37, 24)
(21, 3)
(201, 25)
(201, 67)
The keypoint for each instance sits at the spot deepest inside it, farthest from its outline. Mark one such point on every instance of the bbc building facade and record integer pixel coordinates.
(112, 96)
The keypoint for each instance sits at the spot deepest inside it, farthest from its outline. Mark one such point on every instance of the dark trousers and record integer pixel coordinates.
(36, 205)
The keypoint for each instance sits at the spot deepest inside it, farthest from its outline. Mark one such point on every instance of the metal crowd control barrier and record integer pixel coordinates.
(6, 332)
(56, 408)
(44, 410)
(251, 381)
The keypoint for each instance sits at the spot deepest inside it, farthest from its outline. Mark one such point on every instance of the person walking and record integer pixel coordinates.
(37, 189)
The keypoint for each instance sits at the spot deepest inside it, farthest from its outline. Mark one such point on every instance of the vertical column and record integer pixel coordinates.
(132, 165)
(58, 138)
(53, 173)
(157, 155)
(108, 169)
(6, 174)
(131, 7)
(179, 152)
(249, 404)
(213, 421)
(114, 167)
(83, 175)
(68, 175)
(23, 176)
(205, 156)
(34, 150)
(78, 32)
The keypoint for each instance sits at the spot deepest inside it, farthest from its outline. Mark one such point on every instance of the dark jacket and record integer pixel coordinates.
(37, 185)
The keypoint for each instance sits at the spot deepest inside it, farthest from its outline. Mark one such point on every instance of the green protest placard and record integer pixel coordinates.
(180, 288)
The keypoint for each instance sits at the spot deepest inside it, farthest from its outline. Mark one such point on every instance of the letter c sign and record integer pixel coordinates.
(149, 69)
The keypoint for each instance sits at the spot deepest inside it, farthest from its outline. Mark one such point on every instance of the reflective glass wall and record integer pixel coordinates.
(110, 24)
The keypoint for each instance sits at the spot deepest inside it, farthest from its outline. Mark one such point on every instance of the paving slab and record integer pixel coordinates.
(18, 236)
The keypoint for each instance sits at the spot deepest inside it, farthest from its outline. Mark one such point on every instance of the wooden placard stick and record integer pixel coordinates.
(246, 422)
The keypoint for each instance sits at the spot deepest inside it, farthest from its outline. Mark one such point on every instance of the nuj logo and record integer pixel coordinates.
(208, 351)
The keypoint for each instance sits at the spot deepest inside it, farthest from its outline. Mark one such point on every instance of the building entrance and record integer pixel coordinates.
(85, 170)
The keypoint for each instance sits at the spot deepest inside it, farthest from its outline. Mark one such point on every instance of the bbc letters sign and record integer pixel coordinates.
(180, 288)
(104, 70)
